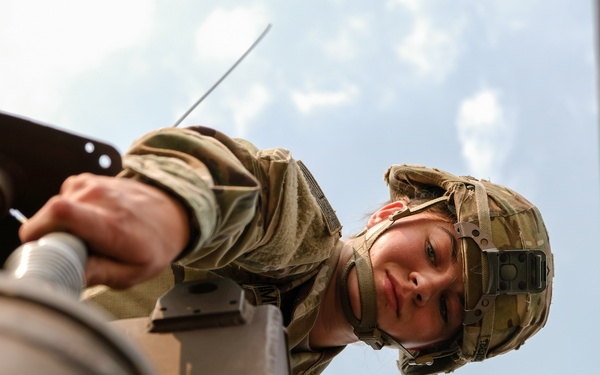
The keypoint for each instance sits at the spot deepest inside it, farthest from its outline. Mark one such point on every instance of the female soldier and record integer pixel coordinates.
(452, 270)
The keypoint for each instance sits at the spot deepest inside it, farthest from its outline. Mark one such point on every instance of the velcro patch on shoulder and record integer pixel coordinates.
(333, 223)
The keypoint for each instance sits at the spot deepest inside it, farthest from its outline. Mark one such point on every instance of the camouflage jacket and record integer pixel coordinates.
(256, 216)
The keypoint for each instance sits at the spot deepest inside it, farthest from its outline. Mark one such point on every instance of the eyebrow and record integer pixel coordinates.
(454, 254)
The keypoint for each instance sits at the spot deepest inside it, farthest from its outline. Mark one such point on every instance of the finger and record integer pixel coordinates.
(55, 215)
(52, 217)
(88, 222)
(78, 182)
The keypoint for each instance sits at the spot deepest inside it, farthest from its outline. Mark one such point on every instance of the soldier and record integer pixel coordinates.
(451, 270)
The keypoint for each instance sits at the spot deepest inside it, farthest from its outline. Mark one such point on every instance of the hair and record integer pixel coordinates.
(443, 211)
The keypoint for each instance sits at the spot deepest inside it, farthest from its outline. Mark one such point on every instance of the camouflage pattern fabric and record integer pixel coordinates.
(252, 218)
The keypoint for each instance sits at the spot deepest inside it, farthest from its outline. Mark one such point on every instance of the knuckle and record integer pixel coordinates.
(75, 181)
(84, 182)
(59, 208)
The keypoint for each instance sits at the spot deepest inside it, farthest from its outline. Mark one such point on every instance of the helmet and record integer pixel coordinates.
(508, 269)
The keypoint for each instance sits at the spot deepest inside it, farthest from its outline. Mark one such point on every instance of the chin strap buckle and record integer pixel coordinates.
(371, 336)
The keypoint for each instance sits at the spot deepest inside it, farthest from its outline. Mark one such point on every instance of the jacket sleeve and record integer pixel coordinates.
(249, 208)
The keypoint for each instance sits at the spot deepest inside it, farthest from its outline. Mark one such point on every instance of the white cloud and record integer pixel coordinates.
(508, 16)
(412, 5)
(227, 34)
(249, 107)
(45, 44)
(311, 100)
(234, 111)
(432, 47)
(484, 132)
(220, 41)
(345, 45)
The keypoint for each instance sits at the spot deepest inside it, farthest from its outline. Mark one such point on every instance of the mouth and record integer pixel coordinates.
(391, 289)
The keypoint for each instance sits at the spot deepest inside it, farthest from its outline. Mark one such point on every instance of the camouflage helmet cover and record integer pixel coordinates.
(511, 222)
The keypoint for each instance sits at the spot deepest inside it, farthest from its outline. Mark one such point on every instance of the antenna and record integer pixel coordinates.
(223, 77)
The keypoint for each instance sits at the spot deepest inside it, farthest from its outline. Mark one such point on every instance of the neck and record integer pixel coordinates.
(331, 328)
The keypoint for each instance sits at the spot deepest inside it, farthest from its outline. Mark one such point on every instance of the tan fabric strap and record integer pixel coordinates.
(487, 324)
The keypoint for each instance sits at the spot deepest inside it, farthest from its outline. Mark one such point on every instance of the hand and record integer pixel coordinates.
(132, 230)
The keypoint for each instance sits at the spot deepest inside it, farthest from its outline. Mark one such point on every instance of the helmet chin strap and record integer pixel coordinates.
(366, 328)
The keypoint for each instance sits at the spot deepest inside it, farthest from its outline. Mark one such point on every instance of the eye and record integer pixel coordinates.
(443, 309)
(430, 253)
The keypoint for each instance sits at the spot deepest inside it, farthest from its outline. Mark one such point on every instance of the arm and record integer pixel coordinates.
(264, 218)
(204, 199)
(178, 192)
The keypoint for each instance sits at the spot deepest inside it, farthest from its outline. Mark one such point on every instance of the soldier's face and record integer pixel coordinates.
(417, 271)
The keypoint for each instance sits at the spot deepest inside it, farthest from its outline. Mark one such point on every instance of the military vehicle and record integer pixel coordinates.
(202, 327)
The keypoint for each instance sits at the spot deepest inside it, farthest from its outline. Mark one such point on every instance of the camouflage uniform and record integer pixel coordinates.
(254, 217)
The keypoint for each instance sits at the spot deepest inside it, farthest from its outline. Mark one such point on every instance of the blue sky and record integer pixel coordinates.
(504, 90)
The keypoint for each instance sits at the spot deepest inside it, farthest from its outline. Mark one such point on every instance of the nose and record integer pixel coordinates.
(425, 287)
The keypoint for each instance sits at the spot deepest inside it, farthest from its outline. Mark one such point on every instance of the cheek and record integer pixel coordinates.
(390, 249)
(385, 256)
(426, 331)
